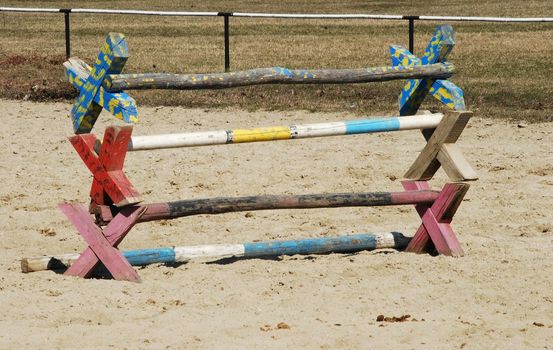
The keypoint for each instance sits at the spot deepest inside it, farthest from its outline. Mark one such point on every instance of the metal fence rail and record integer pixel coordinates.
(226, 22)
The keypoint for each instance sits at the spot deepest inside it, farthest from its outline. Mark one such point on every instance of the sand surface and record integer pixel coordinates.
(500, 295)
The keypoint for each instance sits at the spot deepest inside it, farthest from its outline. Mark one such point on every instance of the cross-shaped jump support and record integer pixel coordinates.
(102, 244)
(110, 185)
(441, 150)
(92, 98)
(435, 229)
(415, 90)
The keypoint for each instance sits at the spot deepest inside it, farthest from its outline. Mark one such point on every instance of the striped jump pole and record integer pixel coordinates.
(168, 255)
(221, 137)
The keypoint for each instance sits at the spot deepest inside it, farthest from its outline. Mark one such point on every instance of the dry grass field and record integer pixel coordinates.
(504, 69)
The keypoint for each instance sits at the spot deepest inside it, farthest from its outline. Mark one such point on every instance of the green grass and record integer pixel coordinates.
(504, 69)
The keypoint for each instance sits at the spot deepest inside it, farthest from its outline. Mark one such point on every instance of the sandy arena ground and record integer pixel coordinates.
(500, 295)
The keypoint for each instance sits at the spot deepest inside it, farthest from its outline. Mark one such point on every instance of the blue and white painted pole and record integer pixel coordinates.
(325, 245)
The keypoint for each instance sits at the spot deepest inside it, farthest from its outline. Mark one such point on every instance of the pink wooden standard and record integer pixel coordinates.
(436, 219)
(102, 244)
(110, 184)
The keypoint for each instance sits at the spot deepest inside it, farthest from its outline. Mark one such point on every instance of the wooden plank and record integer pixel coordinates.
(114, 147)
(420, 242)
(437, 50)
(275, 75)
(415, 91)
(401, 57)
(449, 94)
(442, 236)
(454, 163)
(437, 219)
(112, 157)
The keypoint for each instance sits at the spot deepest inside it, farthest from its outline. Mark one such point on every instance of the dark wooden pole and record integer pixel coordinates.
(219, 205)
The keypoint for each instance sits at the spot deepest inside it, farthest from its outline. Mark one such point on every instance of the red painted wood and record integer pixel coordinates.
(409, 197)
(102, 244)
(98, 196)
(121, 186)
(438, 218)
(442, 235)
(90, 140)
(421, 240)
(436, 228)
(84, 145)
(81, 143)
(112, 157)
(449, 196)
(107, 168)
(153, 212)
(114, 147)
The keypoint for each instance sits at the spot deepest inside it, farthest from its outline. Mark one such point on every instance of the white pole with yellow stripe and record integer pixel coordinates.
(220, 137)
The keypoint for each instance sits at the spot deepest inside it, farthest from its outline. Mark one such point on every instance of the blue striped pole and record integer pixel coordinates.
(167, 255)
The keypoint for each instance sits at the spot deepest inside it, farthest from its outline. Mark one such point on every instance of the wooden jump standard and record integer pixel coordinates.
(115, 203)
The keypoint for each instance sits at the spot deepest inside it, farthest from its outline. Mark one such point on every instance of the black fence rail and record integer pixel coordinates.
(226, 20)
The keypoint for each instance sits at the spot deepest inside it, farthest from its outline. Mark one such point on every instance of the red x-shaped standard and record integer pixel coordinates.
(110, 185)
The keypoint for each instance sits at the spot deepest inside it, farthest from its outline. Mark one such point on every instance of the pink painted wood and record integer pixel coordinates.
(110, 185)
(103, 244)
(436, 229)
(442, 235)
(420, 242)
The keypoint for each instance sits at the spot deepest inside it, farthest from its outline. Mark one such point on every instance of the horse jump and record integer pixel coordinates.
(116, 205)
